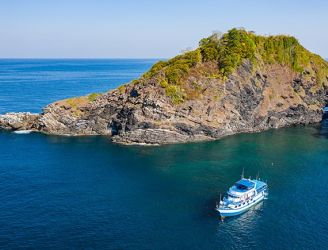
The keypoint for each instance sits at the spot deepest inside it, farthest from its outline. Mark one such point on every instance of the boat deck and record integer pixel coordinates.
(260, 184)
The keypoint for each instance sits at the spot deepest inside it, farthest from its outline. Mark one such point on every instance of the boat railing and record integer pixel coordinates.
(261, 189)
(236, 203)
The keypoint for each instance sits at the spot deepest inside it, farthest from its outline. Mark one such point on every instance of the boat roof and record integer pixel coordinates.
(245, 183)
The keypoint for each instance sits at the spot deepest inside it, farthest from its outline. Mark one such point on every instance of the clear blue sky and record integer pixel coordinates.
(148, 28)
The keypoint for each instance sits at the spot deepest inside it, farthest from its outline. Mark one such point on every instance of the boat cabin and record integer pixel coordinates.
(242, 190)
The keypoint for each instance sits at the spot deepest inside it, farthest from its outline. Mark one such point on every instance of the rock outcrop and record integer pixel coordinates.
(254, 97)
(19, 121)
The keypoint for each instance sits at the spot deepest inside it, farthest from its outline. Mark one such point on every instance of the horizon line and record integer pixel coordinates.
(88, 58)
(96, 58)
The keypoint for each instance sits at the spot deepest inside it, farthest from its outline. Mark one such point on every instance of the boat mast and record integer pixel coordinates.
(242, 173)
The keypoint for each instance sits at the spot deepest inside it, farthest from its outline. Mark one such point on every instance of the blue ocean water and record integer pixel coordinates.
(29, 85)
(88, 193)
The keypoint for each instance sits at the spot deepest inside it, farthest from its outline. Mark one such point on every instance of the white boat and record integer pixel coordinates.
(243, 195)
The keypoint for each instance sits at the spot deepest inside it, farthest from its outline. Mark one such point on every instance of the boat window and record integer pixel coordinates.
(241, 187)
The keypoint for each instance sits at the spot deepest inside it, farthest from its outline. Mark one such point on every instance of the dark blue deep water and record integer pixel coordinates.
(88, 193)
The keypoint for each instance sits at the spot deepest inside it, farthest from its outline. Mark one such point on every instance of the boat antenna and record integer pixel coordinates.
(220, 196)
(242, 173)
(258, 174)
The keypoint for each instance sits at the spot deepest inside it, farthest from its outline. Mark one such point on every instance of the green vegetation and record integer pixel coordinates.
(135, 82)
(122, 88)
(164, 83)
(227, 53)
(171, 74)
(209, 48)
(157, 67)
(179, 66)
(175, 68)
(235, 46)
(73, 102)
(175, 93)
(285, 50)
(76, 103)
(93, 97)
(321, 69)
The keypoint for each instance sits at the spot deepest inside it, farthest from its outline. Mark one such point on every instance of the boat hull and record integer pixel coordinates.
(234, 212)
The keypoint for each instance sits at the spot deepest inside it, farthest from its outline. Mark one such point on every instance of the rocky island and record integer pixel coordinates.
(232, 83)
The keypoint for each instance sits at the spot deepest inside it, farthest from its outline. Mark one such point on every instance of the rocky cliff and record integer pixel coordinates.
(235, 83)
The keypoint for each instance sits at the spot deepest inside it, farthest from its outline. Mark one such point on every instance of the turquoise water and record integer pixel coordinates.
(86, 192)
